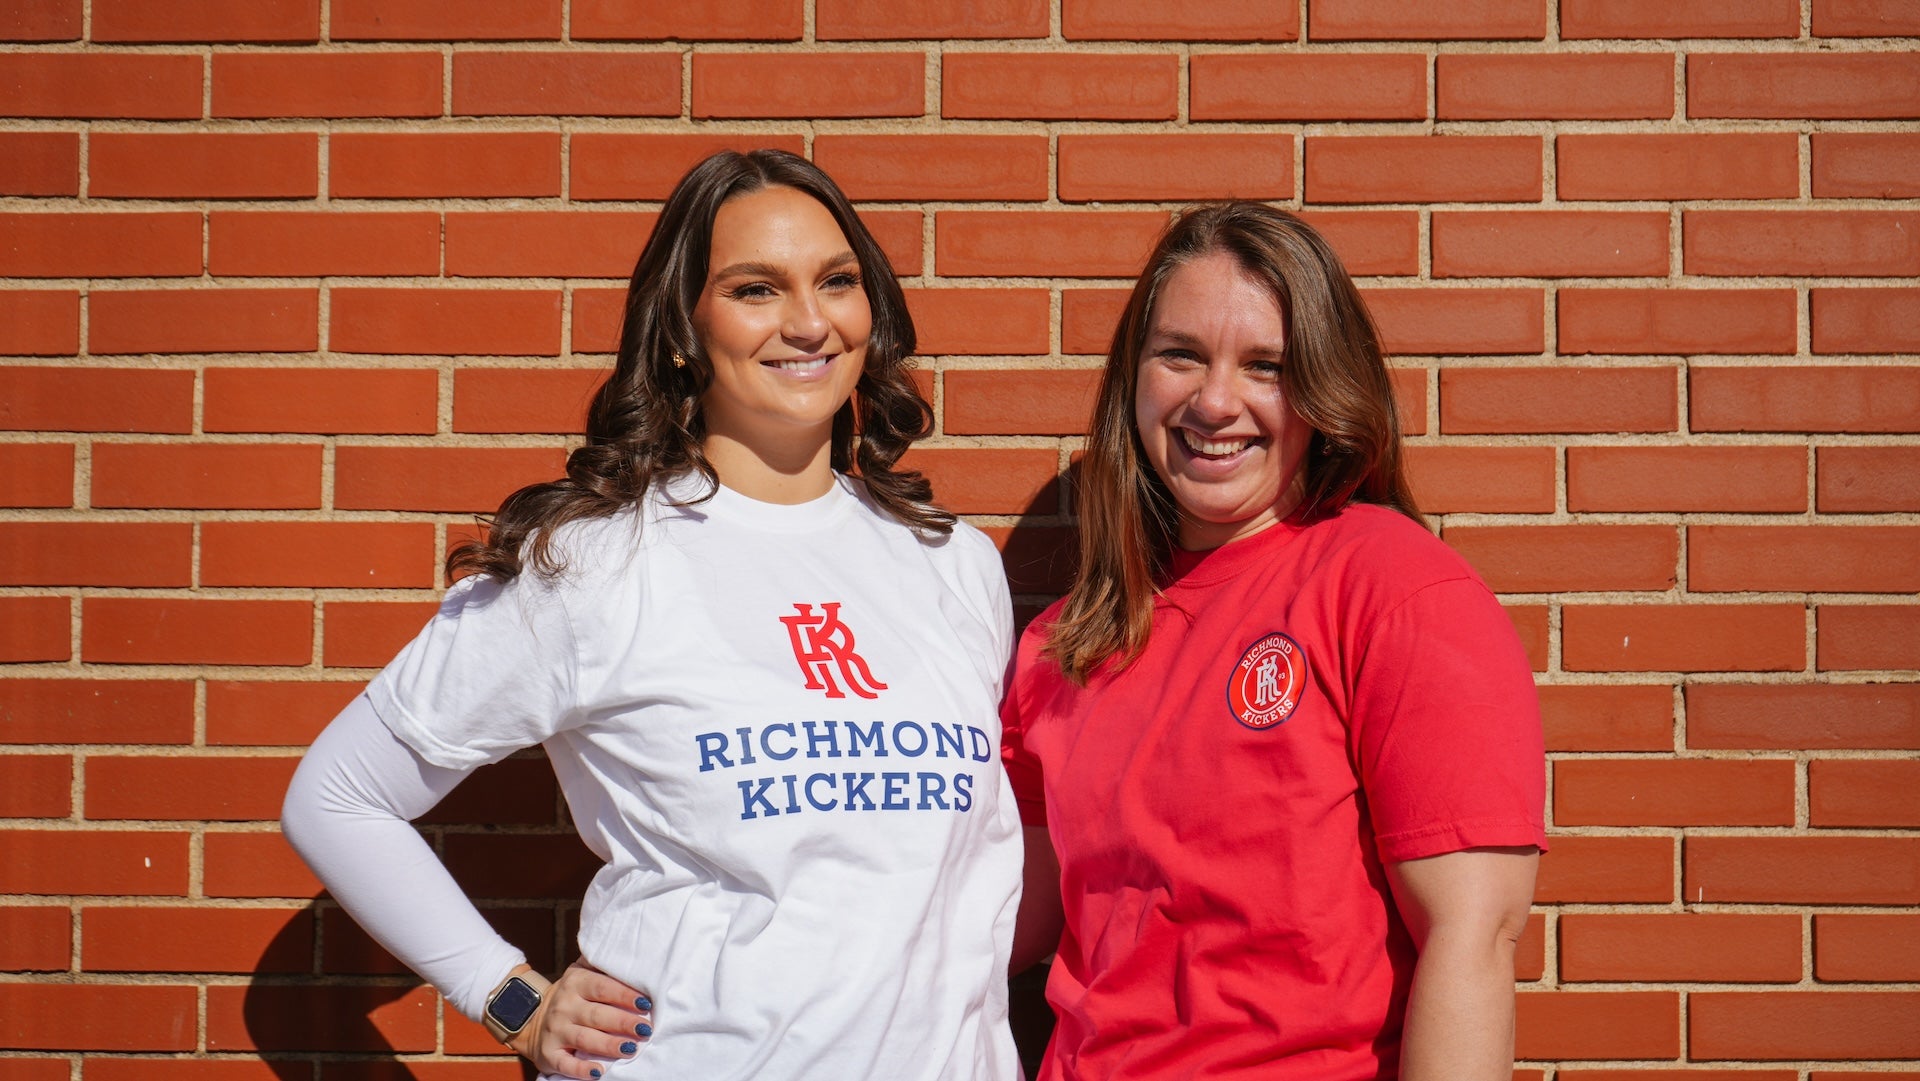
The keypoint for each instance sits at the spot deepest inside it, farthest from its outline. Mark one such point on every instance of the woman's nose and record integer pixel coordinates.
(1218, 396)
(804, 321)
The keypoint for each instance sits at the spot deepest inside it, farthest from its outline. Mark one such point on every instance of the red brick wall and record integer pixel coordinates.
(289, 288)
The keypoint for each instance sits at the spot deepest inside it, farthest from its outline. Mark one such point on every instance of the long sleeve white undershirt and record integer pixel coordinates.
(347, 813)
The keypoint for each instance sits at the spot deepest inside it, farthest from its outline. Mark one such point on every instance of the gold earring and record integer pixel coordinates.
(679, 361)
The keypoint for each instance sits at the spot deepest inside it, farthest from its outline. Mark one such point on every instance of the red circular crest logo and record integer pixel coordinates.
(1266, 685)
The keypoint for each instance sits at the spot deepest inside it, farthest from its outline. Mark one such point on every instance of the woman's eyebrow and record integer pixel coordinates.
(756, 269)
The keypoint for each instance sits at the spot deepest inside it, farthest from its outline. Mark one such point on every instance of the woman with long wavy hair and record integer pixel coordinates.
(764, 667)
(1277, 751)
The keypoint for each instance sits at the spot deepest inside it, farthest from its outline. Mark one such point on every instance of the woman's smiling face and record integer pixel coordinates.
(1210, 405)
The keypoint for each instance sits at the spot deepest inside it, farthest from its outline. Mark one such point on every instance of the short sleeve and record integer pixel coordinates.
(1446, 727)
(1022, 765)
(492, 672)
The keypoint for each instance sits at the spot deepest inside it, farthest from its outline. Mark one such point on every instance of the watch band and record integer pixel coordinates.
(513, 1003)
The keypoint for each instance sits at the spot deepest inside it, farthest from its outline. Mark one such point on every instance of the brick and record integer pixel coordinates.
(1532, 623)
(40, 322)
(35, 629)
(1864, 18)
(52, 1017)
(1738, 479)
(1687, 792)
(878, 20)
(572, 83)
(1803, 870)
(915, 167)
(255, 864)
(597, 317)
(43, 20)
(1088, 319)
(1871, 716)
(322, 401)
(1308, 86)
(1059, 86)
(275, 21)
(1686, 1073)
(1688, 321)
(1683, 638)
(36, 474)
(618, 165)
(1867, 479)
(327, 85)
(1596, 1025)
(83, 553)
(1804, 1025)
(39, 163)
(980, 322)
(1494, 480)
(1371, 241)
(95, 710)
(1037, 243)
(142, 630)
(1600, 717)
(1037, 559)
(1489, 401)
(132, 863)
(36, 786)
(995, 480)
(898, 232)
(101, 86)
(1871, 793)
(1158, 168)
(1549, 244)
(1410, 398)
(1557, 86)
(386, 1019)
(1866, 165)
(700, 20)
(545, 244)
(523, 400)
(1437, 322)
(118, 938)
(1385, 20)
(511, 867)
(1581, 19)
(35, 938)
(300, 243)
(1147, 20)
(517, 791)
(1803, 558)
(346, 949)
(1046, 402)
(260, 476)
(808, 85)
(96, 245)
(449, 20)
(1811, 86)
(1570, 558)
(1871, 947)
(506, 322)
(1805, 399)
(1530, 953)
(203, 321)
(1867, 636)
(96, 400)
(267, 713)
(448, 479)
(1423, 168)
(1866, 320)
(479, 164)
(347, 555)
(202, 165)
(1734, 165)
(224, 788)
(1681, 947)
(1817, 243)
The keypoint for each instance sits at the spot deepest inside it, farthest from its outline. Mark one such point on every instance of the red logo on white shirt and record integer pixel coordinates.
(823, 644)
(1266, 685)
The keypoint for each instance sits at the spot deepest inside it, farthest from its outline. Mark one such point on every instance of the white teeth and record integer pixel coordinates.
(802, 365)
(1212, 446)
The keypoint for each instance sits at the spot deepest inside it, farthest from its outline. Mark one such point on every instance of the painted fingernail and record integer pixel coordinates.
(643, 1003)
(643, 1029)
(629, 1047)
(593, 1073)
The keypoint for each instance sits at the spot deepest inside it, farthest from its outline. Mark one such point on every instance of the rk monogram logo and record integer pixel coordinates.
(821, 644)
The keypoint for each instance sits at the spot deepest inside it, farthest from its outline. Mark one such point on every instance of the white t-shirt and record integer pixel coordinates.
(778, 726)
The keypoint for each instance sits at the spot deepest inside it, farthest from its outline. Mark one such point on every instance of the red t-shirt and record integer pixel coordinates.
(1313, 701)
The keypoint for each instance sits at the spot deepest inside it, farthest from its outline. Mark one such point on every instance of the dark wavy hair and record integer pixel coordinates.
(646, 423)
(1334, 376)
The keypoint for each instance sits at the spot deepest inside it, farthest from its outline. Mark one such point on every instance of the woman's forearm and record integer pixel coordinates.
(1459, 1023)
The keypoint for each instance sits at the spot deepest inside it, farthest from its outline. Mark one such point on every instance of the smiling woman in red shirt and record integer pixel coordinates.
(1278, 752)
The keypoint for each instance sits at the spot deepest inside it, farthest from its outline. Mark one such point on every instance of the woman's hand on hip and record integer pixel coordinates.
(585, 1013)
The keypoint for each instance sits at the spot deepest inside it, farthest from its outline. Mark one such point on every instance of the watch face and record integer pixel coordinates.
(514, 1004)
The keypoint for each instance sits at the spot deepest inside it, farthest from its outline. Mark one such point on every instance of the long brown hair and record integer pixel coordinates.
(1334, 376)
(646, 422)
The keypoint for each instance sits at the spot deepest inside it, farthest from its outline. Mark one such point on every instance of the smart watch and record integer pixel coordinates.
(510, 1007)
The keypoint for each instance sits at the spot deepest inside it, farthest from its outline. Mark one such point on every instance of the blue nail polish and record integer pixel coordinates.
(643, 1029)
(593, 1073)
(643, 1003)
